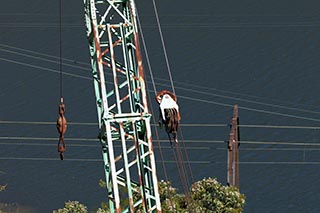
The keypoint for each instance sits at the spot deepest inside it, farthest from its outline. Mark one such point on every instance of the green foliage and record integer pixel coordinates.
(2, 188)
(102, 184)
(209, 195)
(102, 210)
(72, 207)
(170, 200)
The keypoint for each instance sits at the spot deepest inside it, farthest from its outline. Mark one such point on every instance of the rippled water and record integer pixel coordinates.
(262, 55)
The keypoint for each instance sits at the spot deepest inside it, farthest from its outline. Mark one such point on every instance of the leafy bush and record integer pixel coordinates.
(72, 207)
(170, 200)
(209, 195)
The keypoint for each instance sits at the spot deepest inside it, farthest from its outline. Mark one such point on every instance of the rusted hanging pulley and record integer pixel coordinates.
(62, 128)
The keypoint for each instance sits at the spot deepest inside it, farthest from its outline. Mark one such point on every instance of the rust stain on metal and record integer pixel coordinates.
(131, 205)
(97, 46)
(118, 209)
(106, 64)
(113, 45)
(104, 52)
(118, 158)
(138, 54)
(119, 70)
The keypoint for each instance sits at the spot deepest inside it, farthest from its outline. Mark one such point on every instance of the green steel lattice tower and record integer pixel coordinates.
(124, 118)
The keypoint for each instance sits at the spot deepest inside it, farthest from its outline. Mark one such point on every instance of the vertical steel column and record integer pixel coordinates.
(233, 150)
(93, 45)
(123, 114)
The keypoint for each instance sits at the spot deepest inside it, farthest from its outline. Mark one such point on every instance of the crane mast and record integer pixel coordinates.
(123, 115)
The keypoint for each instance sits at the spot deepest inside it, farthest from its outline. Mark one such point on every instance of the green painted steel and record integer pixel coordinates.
(122, 108)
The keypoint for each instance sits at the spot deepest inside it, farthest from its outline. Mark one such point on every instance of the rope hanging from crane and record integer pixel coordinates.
(61, 121)
(169, 107)
(169, 116)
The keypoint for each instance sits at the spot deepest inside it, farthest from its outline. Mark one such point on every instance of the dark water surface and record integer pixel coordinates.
(262, 55)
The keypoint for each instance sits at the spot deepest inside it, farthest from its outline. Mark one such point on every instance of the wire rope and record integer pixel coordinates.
(274, 149)
(152, 78)
(283, 127)
(81, 159)
(250, 109)
(185, 97)
(45, 59)
(147, 56)
(167, 141)
(240, 99)
(245, 100)
(182, 171)
(39, 159)
(160, 79)
(305, 148)
(60, 49)
(42, 54)
(155, 93)
(187, 156)
(158, 140)
(166, 58)
(154, 124)
(44, 68)
(163, 45)
(84, 145)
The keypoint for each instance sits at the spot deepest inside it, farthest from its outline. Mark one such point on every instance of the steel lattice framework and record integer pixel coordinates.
(124, 118)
